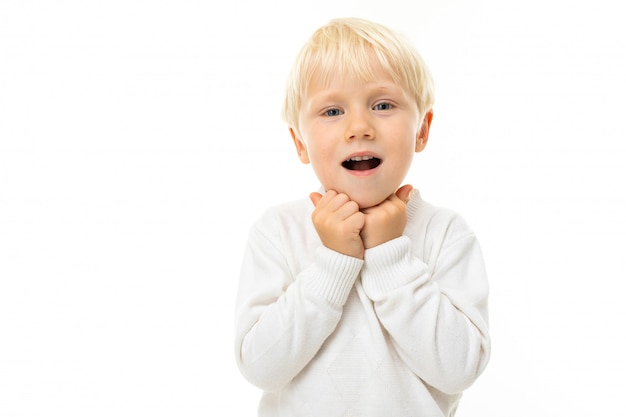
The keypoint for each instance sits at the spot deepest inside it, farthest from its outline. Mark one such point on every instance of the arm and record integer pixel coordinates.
(436, 316)
(281, 320)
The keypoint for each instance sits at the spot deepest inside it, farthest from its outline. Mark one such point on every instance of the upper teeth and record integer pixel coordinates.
(361, 158)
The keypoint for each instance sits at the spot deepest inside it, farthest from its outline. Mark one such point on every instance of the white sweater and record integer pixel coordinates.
(401, 333)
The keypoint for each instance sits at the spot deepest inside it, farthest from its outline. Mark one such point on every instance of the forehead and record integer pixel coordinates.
(346, 66)
(330, 72)
(347, 73)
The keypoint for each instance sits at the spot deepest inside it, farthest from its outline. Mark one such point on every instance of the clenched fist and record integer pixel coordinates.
(387, 220)
(338, 222)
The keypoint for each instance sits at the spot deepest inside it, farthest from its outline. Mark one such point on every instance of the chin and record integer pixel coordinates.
(365, 202)
(365, 198)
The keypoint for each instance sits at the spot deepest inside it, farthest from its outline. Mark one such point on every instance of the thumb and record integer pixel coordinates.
(315, 198)
(404, 192)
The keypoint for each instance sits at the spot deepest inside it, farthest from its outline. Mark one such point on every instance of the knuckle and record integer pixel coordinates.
(353, 206)
(343, 198)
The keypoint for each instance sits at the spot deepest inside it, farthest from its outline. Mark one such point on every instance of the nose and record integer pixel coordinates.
(359, 126)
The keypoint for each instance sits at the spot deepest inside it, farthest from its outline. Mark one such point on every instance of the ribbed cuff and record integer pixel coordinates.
(389, 266)
(332, 275)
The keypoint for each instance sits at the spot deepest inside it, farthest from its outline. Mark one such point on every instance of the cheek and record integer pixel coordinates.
(404, 157)
(319, 148)
(319, 158)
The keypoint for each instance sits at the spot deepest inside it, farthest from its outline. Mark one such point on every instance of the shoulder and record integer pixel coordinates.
(435, 220)
(284, 217)
(286, 229)
(287, 212)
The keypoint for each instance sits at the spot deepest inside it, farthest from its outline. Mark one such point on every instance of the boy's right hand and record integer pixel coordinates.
(338, 222)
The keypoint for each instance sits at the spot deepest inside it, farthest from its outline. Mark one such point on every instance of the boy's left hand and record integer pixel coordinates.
(387, 220)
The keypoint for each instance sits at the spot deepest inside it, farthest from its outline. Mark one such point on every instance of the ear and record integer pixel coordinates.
(422, 136)
(300, 147)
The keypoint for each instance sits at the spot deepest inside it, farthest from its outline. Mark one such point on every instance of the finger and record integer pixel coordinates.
(404, 192)
(356, 220)
(315, 198)
(332, 201)
(322, 201)
(347, 209)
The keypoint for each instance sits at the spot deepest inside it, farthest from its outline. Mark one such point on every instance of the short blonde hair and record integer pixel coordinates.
(347, 46)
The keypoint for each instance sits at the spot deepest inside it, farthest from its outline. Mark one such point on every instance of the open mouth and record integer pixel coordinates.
(361, 163)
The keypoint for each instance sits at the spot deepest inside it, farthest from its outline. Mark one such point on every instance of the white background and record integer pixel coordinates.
(140, 139)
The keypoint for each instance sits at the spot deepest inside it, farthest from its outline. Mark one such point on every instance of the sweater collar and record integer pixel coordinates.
(415, 199)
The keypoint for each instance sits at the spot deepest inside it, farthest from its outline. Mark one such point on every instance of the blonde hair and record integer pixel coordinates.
(353, 48)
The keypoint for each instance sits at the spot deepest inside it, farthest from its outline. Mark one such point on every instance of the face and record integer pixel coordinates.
(360, 137)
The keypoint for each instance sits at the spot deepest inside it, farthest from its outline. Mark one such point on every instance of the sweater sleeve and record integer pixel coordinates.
(282, 320)
(436, 315)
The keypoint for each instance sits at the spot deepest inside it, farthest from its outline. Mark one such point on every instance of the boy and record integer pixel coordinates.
(363, 299)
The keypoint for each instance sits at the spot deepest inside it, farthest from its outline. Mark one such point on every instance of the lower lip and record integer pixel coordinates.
(363, 173)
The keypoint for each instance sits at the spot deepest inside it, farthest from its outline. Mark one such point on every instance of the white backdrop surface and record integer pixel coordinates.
(140, 139)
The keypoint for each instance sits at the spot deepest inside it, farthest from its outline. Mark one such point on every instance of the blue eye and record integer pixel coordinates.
(383, 106)
(332, 112)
